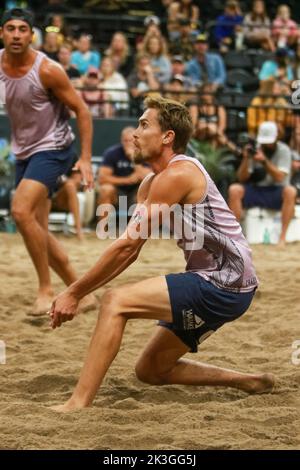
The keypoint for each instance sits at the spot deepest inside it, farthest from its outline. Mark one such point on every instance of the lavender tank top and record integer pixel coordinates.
(39, 121)
(224, 257)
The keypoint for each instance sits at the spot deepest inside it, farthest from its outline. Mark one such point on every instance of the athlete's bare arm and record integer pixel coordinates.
(176, 184)
(55, 79)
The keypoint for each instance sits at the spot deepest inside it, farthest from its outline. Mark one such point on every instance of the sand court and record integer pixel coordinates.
(42, 366)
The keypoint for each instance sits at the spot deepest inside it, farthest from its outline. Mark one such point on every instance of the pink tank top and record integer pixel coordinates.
(39, 121)
(223, 257)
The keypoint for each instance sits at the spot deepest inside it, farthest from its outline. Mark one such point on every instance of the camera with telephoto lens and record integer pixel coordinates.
(252, 147)
(245, 142)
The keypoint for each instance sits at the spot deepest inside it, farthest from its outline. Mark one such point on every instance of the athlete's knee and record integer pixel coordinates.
(110, 303)
(107, 193)
(289, 193)
(147, 371)
(236, 191)
(21, 213)
(70, 187)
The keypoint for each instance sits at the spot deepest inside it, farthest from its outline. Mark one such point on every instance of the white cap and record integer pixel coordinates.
(151, 19)
(267, 133)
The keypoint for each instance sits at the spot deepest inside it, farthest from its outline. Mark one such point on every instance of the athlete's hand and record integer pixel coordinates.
(86, 171)
(63, 309)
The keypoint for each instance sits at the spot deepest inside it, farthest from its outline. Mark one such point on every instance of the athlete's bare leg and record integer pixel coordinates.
(59, 260)
(161, 362)
(30, 209)
(28, 196)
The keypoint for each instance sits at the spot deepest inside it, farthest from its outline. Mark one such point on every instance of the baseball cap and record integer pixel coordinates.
(17, 14)
(177, 58)
(151, 19)
(177, 77)
(267, 133)
(202, 37)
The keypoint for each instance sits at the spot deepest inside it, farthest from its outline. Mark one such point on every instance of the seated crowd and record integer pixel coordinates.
(186, 61)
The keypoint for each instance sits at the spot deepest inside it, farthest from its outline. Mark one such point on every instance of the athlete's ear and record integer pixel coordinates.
(168, 137)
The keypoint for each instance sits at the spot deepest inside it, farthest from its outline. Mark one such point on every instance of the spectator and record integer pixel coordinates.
(257, 27)
(141, 80)
(178, 10)
(84, 57)
(50, 45)
(284, 29)
(119, 52)
(155, 48)
(296, 64)
(118, 175)
(209, 118)
(206, 67)
(185, 42)
(152, 24)
(279, 69)
(269, 105)
(64, 35)
(227, 25)
(264, 178)
(66, 199)
(178, 68)
(37, 39)
(114, 84)
(95, 97)
(175, 89)
(64, 58)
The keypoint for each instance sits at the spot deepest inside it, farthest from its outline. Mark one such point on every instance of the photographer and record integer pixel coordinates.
(264, 177)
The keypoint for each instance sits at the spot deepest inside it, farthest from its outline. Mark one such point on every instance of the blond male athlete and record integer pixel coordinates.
(217, 287)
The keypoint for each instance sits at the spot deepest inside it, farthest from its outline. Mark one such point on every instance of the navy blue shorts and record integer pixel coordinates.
(267, 197)
(46, 167)
(199, 308)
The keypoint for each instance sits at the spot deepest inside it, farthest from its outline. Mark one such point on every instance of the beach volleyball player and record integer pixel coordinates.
(37, 93)
(217, 287)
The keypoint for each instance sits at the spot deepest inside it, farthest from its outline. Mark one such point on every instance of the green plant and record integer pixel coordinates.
(217, 162)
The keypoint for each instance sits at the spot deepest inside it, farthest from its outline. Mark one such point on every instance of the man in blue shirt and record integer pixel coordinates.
(227, 24)
(206, 67)
(118, 174)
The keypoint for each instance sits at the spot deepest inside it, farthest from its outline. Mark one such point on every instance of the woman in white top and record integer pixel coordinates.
(257, 27)
(115, 84)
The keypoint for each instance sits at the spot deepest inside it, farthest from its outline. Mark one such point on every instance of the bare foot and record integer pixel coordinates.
(67, 407)
(281, 244)
(263, 383)
(42, 305)
(89, 302)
